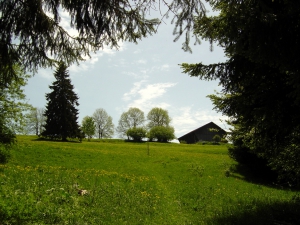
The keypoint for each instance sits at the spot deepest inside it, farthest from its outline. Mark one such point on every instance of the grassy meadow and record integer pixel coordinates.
(135, 183)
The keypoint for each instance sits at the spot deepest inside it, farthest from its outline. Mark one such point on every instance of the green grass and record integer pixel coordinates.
(133, 183)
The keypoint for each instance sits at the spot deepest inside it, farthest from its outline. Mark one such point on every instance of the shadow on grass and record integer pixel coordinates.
(260, 213)
(20, 218)
(256, 175)
(55, 140)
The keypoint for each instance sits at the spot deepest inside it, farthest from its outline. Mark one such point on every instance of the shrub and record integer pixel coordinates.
(217, 138)
(136, 133)
(246, 157)
(161, 134)
(4, 154)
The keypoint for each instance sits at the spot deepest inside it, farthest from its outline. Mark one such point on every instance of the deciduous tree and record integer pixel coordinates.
(35, 121)
(88, 126)
(162, 133)
(61, 112)
(12, 106)
(137, 133)
(134, 117)
(158, 117)
(103, 123)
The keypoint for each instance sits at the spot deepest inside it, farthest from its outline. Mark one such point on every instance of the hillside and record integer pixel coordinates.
(134, 183)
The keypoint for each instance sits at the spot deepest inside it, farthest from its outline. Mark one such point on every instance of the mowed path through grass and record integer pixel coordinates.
(133, 183)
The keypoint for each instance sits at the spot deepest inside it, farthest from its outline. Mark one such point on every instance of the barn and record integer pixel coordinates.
(204, 133)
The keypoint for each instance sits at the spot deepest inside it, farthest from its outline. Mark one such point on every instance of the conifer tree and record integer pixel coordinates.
(61, 112)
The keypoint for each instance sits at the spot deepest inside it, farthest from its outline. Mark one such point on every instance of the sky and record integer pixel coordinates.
(143, 75)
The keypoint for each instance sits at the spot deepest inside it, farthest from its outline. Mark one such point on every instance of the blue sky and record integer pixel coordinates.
(143, 75)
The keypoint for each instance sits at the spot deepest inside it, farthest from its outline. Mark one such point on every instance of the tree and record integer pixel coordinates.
(137, 133)
(61, 109)
(260, 79)
(31, 35)
(35, 121)
(159, 125)
(158, 117)
(104, 124)
(88, 126)
(134, 117)
(12, 107)
(162, 133)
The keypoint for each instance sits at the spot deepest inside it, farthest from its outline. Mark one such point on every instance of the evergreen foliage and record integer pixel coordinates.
(31, 33)
(260, 79)
(61, 109)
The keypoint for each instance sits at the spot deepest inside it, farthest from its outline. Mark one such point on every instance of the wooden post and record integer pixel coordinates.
(148, 153)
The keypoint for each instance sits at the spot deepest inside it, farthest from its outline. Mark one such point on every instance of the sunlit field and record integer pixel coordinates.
(135, 183)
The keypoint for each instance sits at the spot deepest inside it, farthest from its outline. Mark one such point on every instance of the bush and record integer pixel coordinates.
(217, 138)
(287, 164)
(246, 158)
(136, 133)
(161, 134)
(4, 153)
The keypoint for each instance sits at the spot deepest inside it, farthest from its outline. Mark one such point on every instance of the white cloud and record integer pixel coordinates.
(153, 91)
(146, 97)
(134, 91)
(65, 23)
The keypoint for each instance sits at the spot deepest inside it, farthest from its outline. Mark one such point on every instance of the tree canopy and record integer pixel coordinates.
(158, 117)
(35, 121)
(133, 118)
(161, 133)
(260, 79)
(88, 126)
(13, 105)
(103, 124)
(31, 33)
(61, 112)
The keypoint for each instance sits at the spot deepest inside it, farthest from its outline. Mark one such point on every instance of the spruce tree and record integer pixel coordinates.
(61, 112)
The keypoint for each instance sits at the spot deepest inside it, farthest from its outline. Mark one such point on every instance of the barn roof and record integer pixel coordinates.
(206, 125)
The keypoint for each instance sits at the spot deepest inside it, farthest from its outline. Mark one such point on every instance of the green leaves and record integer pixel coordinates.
(161, 133)
(88, 126)
(137, 133)
(158, 117)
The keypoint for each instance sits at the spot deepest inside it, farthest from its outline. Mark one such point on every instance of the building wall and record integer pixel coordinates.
(202, 134)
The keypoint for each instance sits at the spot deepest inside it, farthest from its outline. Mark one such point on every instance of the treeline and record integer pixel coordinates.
(59, 119)
(132, 125)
